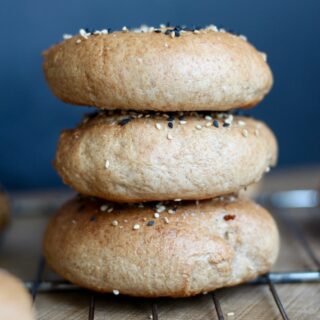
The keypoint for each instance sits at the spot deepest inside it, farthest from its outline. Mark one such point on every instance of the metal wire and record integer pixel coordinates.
(217, 306)
(154, 308)
(92, 307)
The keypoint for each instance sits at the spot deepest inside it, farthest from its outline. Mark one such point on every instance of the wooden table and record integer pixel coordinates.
(20, 252)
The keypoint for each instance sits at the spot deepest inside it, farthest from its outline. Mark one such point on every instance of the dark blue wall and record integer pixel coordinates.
(31, 118)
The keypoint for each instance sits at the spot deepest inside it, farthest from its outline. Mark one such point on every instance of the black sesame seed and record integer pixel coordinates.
(93, 218)
(216, 123)
(150, 223)
(124, 121)
(226, 124)
(170, 124)
(171, 117)
(181, 118)
(168, 32)
(157, 31)
(177, 33)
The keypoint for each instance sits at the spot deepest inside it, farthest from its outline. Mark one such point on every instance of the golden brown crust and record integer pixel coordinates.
(15, 301)
(4, 210)
(150, 71)
(145, 160)
(201, 247)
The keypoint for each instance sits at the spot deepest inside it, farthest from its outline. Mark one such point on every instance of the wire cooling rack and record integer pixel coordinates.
(277, 202)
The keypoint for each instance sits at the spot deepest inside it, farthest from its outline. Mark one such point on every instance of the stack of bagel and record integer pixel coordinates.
(159, 167)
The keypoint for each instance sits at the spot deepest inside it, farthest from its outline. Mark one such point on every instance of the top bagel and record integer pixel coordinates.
(165, 69)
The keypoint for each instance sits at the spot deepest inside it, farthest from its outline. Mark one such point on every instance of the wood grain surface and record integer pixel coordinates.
(20, 252)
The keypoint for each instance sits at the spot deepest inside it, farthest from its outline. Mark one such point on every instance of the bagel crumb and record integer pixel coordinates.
(158, 126)
(115, 223)
(172, 211)
(74, 221)
(116, 292)
(166, 45)
(166, 220)
(125, 220)
(136, 226)
(245, 133)
(107, 164)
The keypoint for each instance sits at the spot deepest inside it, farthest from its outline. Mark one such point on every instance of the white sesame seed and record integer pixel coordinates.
(241, 123)
(267, 169)
(115, 223)
(161, 209)
(169, 136)
(136, 226)
(222, 30)
(116, 292)
(209, 118)
(156, 215)
(208, 124)
(141, 205)
(166, 45)
(177, 200)
(182, 122)
(230, 314)
(104, 207)
(83, 33)
(107, 164)
(212, 27)
(264, 56)
(125, 29)
(257, 132)
(166, 220)
(171, 211)
(78, 41)
(104, 31)
(243, 37)
(158, 126)
(196, 31)
(172, 34)
(198, 126)
(66, 36)
(150, 316)
(110, 209)
(245, 132)
(162, 25)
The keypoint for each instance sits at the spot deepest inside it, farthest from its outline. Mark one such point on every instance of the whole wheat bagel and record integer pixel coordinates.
(15, 301)
(171, 249)
(167, 69)
(4, 210)
(143, 157)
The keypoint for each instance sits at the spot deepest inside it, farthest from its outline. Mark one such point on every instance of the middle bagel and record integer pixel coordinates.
(152, 157)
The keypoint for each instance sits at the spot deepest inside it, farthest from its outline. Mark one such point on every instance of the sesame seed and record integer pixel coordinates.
(141, 205)
(124, 121)
(107, 164)
(161, 209)
(264, 56)
(226, 124)
(267, 169)
(216, 123)
(241, 123)
(230, 314)
(136, 226)
(198, 126)
(171, 211)
(243, 37)
(172, 34)
(150, 223)
(115, 223)
(196, 31)
(158, 126)
(110, 209)
(166, 220)
(78, 41)
(104, 207)
(83, 33)
(169, 136)
(116, 292)
(209, 118)
(245, 132)
(125, 29)
(208, 124)
(156, 215)
(177, 200)
(104, 31)
(170, 124)
(257, 132)
(66, 36)
(182, 122)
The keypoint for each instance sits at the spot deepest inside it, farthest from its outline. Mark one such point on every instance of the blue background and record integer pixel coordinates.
(31, 117)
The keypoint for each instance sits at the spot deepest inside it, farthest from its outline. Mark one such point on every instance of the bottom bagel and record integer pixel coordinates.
(175, 249)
